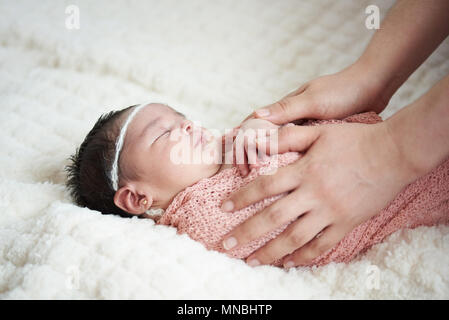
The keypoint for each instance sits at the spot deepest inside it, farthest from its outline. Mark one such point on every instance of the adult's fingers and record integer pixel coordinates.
(272, 217)
(321, 242)
(297, 234)
(291, 94)
(251, 116)
(287, 109)
(285, 179)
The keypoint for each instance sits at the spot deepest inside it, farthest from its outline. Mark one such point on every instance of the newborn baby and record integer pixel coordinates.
(134, 160)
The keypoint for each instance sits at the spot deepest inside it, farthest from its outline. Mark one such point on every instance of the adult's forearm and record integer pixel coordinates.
(410, 32)
(421, 130)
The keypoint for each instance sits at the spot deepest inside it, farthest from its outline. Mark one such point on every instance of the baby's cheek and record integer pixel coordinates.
(174, 153)
(176, 159)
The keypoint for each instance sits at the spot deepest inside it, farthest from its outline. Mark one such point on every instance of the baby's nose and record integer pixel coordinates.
(187, 127)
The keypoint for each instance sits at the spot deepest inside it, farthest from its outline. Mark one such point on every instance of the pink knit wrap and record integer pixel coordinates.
(196, 210)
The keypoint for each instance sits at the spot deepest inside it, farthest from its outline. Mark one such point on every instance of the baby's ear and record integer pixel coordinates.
(128, 200)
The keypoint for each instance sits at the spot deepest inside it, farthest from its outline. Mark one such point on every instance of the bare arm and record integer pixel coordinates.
(410, 32)
(421, 130)
(335, 186)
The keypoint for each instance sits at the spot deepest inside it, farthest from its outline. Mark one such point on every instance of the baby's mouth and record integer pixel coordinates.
(203, 138)
(200, 139)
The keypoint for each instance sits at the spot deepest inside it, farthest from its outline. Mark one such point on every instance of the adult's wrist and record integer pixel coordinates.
(385, 76)
(421, 130)
(373, 82)
(408, 165)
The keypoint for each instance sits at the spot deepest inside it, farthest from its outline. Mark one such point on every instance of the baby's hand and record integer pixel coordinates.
(246, 155)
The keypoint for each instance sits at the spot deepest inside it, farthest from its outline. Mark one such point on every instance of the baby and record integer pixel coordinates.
(133, 163)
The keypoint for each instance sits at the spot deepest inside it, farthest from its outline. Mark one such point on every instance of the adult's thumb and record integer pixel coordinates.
(285, 110)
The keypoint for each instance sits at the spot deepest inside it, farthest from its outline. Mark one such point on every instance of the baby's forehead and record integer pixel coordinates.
(158, 109)
(149, 116)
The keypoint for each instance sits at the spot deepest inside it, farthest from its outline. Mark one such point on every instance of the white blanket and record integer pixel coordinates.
(215, 61)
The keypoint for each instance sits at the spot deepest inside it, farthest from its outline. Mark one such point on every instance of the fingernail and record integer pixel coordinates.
(229, 243)
(262, 156)
(289, 264)
(263, 112)
(253, 263)
(227, 205)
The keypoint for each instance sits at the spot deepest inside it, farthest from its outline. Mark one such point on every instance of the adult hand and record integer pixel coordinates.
(334, 96)
(351, 171)
(392, 55)
(348, 174)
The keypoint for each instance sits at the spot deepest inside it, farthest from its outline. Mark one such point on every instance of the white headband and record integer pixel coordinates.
(119, 146)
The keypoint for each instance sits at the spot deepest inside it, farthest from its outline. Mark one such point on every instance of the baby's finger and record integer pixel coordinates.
(239, 156)
(253, 166)
(251, 150)
(243, 168)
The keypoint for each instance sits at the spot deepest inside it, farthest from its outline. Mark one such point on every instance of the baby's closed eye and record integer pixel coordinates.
(166, 132)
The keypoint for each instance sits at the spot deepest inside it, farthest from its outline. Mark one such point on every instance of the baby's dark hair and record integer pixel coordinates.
(88, 178)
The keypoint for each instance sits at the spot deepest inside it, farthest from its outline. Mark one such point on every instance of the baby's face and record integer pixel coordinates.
(156, 139)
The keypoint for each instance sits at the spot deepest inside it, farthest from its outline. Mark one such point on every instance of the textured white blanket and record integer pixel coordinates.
(213, 60)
